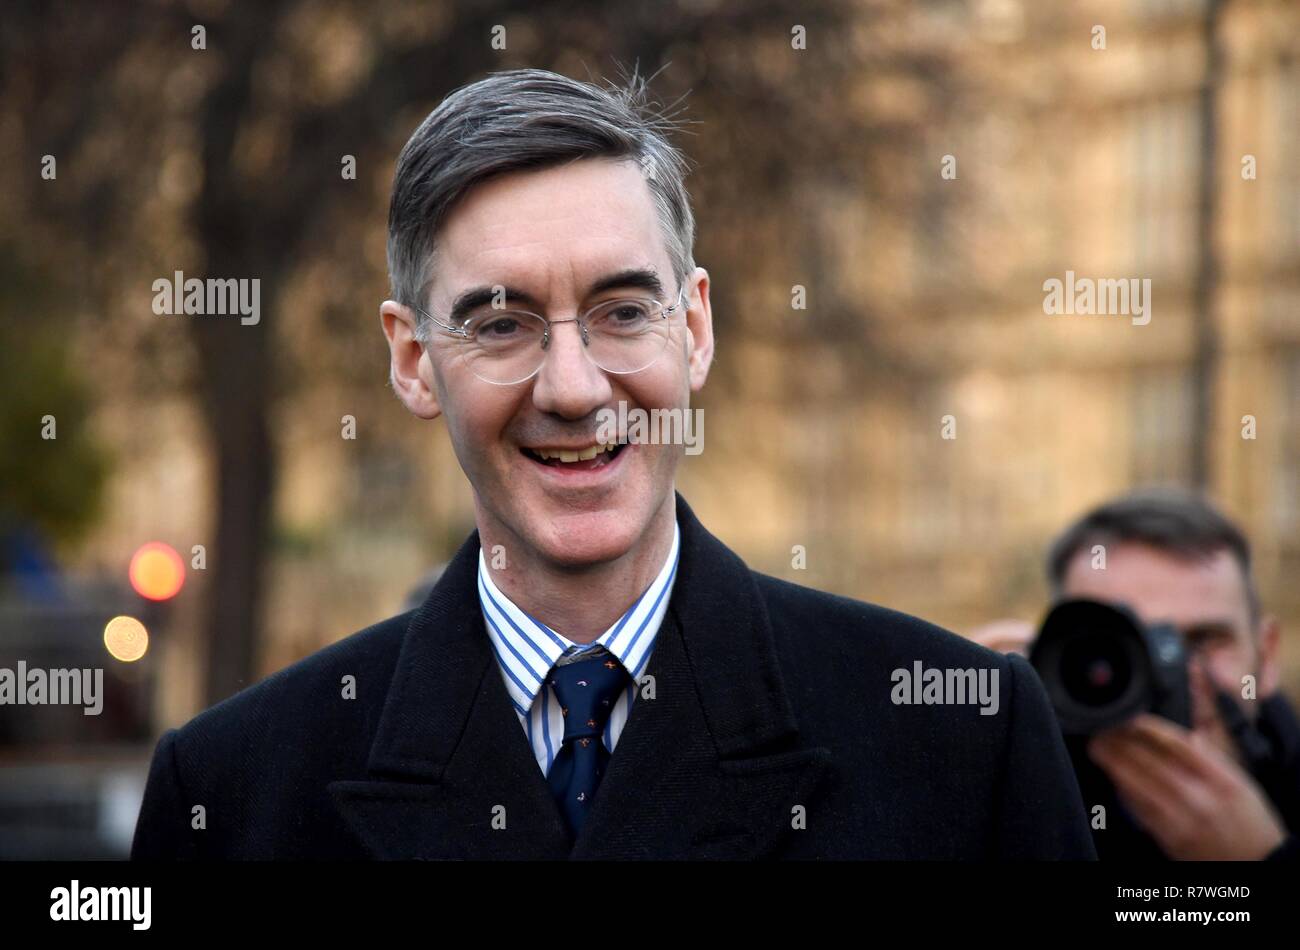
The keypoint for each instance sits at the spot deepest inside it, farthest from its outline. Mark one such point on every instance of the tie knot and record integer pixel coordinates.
(587, 690)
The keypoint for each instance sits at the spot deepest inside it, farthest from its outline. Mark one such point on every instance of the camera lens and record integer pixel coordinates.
(1095, 670)
(1093, 660)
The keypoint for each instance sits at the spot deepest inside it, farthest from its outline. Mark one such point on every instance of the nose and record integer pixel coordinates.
(569, 384)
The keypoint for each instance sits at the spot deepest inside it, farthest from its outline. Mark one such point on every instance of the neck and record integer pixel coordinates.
(581, 603)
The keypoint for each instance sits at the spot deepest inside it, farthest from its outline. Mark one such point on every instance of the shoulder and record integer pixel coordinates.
(259, 762)
(890, 690)
(836, 626)
(306, 697)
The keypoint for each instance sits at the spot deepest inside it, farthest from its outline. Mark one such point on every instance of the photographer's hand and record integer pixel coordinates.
(1005, 636)
(1195, 801)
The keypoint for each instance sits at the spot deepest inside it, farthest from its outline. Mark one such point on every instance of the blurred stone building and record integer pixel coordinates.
(1067, 158)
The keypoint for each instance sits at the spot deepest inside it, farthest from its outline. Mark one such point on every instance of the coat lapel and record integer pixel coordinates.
(450, 771)
(711, 767)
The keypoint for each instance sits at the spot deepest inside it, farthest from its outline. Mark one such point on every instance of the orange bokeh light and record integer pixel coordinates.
(157, 571)
(126, 639)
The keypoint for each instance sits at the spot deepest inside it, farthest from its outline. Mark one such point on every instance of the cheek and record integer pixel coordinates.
(475, 426)
(1227, 664)
(665, 385)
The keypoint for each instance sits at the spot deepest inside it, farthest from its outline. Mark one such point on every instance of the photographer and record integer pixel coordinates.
(1228, 787)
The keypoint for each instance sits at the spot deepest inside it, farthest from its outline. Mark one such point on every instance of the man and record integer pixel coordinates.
(1229, 787)
(594, 675)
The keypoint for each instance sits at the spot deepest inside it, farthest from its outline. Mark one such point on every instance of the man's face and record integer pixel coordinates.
(1205, 599)
(553, 236)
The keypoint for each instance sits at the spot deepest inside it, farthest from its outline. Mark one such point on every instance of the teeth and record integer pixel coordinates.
(568, 455)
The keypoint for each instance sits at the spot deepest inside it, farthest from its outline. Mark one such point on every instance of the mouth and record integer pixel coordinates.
(589, 459)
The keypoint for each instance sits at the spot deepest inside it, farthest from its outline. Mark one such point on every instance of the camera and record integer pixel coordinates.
(1101, 666)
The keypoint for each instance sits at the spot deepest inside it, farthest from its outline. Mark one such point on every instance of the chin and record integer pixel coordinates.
(588, 537)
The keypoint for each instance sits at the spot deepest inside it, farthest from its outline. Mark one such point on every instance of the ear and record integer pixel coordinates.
(410, 368)
(1270, 643)
(699, 329)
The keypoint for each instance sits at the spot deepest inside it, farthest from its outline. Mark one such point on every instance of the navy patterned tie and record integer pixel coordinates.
(587, 690)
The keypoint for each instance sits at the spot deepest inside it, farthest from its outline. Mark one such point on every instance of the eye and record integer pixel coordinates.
(622, 314)
(495, 328)
(632, 310)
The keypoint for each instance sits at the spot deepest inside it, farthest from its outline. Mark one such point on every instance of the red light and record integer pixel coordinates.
(157, 571)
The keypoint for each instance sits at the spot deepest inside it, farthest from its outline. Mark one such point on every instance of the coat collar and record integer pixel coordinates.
(708, 765)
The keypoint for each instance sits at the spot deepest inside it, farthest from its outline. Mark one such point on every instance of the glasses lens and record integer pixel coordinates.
(627, 335)
(504, 346)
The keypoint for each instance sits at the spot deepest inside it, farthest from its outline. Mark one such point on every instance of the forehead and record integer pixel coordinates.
(1160, 587)
(551, 231)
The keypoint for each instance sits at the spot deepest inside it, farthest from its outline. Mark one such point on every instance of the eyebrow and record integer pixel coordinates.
(641, 278)
(1210, 628)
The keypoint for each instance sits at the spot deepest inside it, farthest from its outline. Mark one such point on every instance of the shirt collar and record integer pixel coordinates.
(526, 648)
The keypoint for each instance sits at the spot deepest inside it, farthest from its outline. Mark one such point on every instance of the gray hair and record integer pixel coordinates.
(527, 119)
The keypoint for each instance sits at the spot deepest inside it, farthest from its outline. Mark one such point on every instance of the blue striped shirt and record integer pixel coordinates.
(526, 649)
